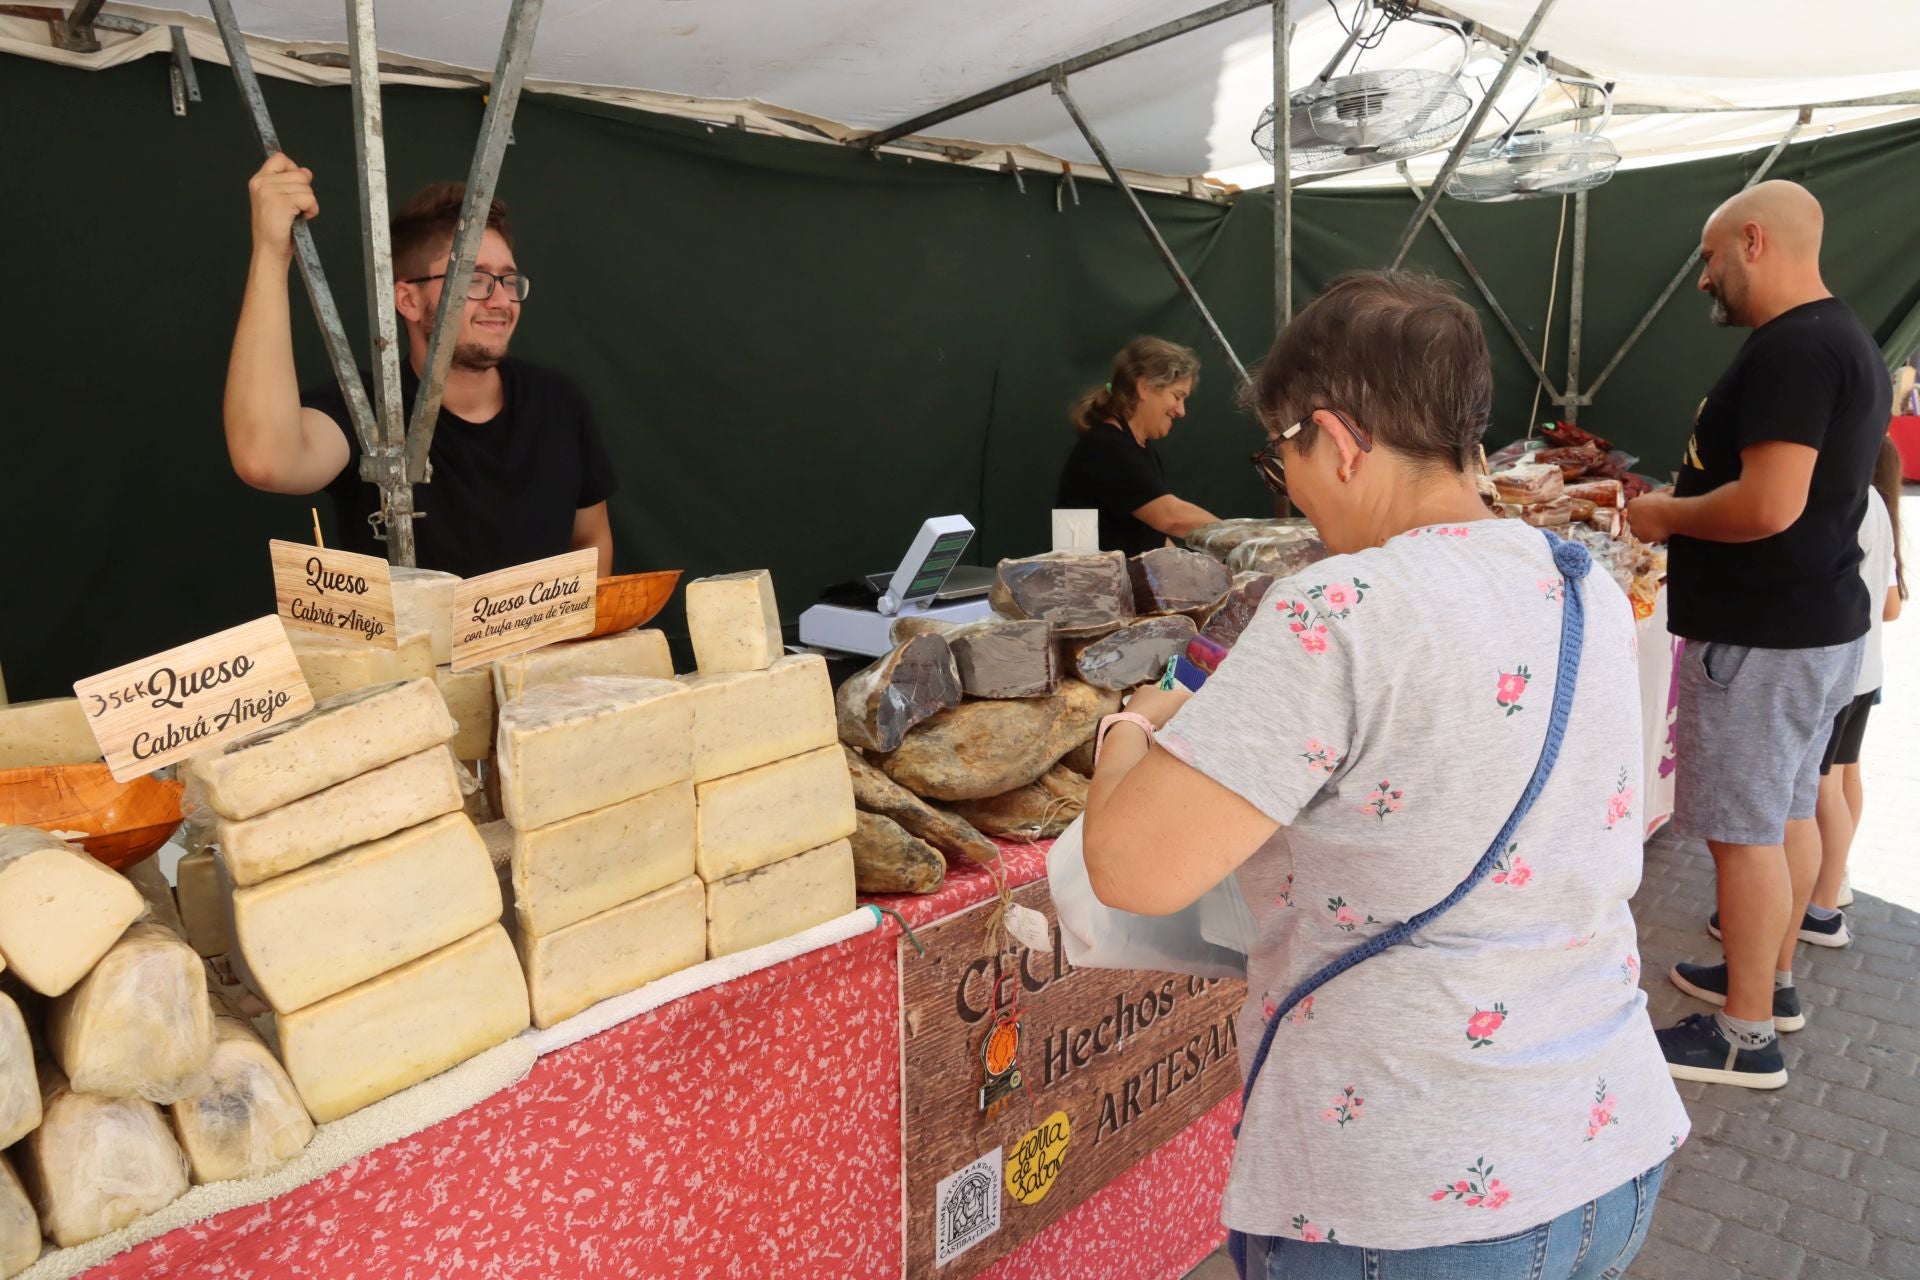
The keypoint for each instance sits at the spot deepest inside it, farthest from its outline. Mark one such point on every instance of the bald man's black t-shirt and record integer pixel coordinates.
(1115, 474)
(503, 492)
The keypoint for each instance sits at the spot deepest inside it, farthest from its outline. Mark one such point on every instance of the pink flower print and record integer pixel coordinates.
(1320, 757)
(1620, 803)
(1383, 801)
(1511, 869)
(1574, 944)
(1630, 969)
(1336, 600)
(1550, 589)
(1315, 640)
(1513, 684)
(1497, 1195)
(1453, 531)
(1600, 1114)
(1268, 1008)
(1285, 897)
(1483, 1023)
(1312, 1234)
(1345, 1109)
(1478, 1190)
(1345, 918)
(1302, 1012)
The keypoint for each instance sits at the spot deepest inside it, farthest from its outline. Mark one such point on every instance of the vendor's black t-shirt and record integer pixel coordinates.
(503, 492)
(1811, 376)
(1114, 473)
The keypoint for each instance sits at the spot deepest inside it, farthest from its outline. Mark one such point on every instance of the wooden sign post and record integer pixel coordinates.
(513, 610)
(184, 701)
(334, 592)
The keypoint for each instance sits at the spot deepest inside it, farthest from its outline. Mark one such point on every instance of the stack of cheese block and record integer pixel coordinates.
(49, 732)
(773, 797)
(364, 907)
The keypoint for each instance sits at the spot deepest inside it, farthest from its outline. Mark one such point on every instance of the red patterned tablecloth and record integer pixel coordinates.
(749, 1130)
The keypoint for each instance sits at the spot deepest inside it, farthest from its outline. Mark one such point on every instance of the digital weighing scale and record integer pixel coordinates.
(929, 583)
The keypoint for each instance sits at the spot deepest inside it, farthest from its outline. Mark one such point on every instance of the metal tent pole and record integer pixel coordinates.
(1467, 135)
(1146, 224)
(1576, 307)
(516, 47)
(1282, 166)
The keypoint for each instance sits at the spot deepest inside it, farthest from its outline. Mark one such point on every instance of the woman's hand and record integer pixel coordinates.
(1157, 704)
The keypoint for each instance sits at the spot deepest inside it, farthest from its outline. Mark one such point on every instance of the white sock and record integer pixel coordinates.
(1821, 913)
(1746, 1035)
(1782, 979)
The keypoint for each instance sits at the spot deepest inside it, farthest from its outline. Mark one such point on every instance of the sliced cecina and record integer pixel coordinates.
(583, 865)
(59, 909)
(615, 951)
(251, 1121)
(769, 813)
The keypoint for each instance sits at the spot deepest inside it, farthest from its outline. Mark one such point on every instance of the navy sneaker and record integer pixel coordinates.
(1695, 1050)
(1709, 982)
(1821, 933)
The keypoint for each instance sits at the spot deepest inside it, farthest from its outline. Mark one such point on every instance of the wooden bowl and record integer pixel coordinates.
(124, 821)
(630, 600)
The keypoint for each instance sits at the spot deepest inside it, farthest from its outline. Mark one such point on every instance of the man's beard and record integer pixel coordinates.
(472, 357)
(1721, 316)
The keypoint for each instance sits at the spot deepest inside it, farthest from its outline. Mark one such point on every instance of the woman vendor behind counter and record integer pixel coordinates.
(1114, 467)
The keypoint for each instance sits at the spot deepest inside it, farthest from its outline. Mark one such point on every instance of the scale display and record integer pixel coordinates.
(936, 549)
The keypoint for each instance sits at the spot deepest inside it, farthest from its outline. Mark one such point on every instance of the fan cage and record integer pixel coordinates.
(1532, 165)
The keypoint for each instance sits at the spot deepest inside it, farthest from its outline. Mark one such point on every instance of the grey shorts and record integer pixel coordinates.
(1750, 735)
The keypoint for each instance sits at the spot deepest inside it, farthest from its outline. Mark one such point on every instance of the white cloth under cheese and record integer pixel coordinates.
(19, 1224)
(19, 1082)
(51, 731)
(423, 601)
(373, 1040)
(469, 698)
(340, 738)
(745, 719)
(776, 901)
(735, 622)
(140, 1025)
(95, 1164)
(763, 815)
(59, 909)
(615, 951)
(586, 743)
(251, 1121)
(580, 866)
(411, 790)
(319, 930)
(204, 908)
(625, 653)
(336, 664)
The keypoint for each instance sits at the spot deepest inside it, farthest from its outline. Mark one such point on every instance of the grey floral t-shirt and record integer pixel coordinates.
(1499, 1068)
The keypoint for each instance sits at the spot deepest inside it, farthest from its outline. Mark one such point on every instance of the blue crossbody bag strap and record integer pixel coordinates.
(1573, 561)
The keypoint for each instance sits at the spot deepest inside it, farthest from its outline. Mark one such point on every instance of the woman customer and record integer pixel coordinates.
(1485, 1098)
(1114, 467)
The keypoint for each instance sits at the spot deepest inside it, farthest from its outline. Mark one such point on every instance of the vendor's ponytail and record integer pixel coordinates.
(1159, 362)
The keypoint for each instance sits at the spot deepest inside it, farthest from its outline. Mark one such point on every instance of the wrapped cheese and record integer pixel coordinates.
(204, 908)
(19, 1224)
(1006, 659)
(336, 664)
(146, 876)
(1134, 655)
(1529, 483)
(1080, 594)
(1175, 580)
(140, 1024)
(423, 602)
(52, 731)
(95, 1164)
(625, 653)
(19, 1082)
(59, 909)
(1224, 625)
(251, 1121)
(876, 706)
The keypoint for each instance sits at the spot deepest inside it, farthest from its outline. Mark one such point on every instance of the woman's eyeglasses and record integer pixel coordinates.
(1273, 470)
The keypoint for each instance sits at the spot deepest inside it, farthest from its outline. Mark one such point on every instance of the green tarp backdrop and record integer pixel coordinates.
(796, 351)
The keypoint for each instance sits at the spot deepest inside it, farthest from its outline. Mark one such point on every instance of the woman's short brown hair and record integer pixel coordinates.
(1159, 362)
(1398, 352)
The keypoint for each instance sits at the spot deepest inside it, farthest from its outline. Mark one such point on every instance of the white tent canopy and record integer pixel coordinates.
(1179, 108)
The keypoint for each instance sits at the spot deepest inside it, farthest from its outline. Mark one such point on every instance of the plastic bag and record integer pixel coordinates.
(251, 1121)
(19, 1084)
(1096, 936)
(1281, 555)
(95, 1164)
(140, 1025)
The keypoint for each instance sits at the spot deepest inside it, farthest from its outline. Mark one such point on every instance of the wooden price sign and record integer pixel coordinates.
(184, 701)
(513, 610)
(334, 592)
(1105, 1066)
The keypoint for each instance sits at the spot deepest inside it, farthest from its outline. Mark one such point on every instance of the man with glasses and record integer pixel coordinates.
(519, 470)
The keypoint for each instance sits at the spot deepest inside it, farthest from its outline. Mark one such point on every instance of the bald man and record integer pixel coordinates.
(1764, 584)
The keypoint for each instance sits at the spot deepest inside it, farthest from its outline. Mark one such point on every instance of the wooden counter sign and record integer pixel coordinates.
(1109, 1064)
(513, 610)
(335, 592)
(184, 701)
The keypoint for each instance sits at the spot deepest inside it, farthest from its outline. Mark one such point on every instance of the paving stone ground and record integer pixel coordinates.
(1819, 1180)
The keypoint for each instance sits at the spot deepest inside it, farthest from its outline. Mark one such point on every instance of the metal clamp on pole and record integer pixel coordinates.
(186, 85)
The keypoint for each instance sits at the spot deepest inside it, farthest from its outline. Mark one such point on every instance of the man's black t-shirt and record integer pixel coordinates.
(1111, 471)
(503, 492)
(1811, 376)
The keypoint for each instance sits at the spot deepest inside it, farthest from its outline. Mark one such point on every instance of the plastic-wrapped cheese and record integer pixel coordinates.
(146, 876)
(625, 653)
(341, 738)
(735, 622)
(19, 1082)
(583, 865)
(59, 909)
(423, 601)
(19, 1224)
(584, 744)
(48, 732)
(373, 1040)
(251, 1121)
(616, 951)
(469, 698)
(745, 719)
(772, 812)
(204, 908)
(780, 900)
(314, 932)
(139, 1025)
(95, 1164)
(411, 790)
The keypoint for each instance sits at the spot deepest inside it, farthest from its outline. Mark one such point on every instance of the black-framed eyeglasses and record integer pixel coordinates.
(481, 286)
(1273, 469)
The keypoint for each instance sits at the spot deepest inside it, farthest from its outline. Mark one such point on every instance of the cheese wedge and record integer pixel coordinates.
(773, 812)
(584, 744)
(583, 865)
(95, 1164)
(48, 732)
(735, 622)
(469, 697)
(400, 1028)
(140, 1025)
(411, 790)
(625, 653)
(59, 909)
(745, 719)
(423, 601)
(19, 1224)
(340, 738)
(204, 908)
(146, 876)
(251, 1121)
(317, 931)
(336, 664)
(615, 952)
(19, 1082)
(780, 900)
